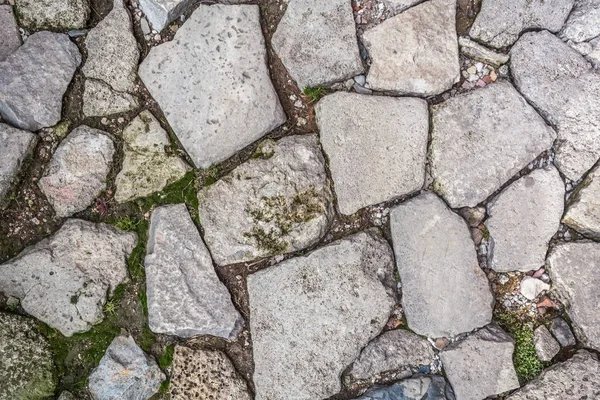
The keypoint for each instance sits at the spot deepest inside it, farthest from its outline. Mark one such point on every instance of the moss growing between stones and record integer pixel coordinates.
(265, 150)
(166, 359)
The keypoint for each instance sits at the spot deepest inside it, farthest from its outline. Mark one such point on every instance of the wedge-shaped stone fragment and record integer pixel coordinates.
(100, 100)
(546, 347)
(317, 42)
(584, 22)
(64, 279)
(482, 139)
(583, 208)
(562, 332)
(312, 315)
(10, 40)
(15, 146)
(420, 388)
(34, 79)
(523, 219)
(569, 100)
(415, 52)
(213, 84)
(277, 202)
(444, 292)
(373, 158)
(160, 13)
(481, 365)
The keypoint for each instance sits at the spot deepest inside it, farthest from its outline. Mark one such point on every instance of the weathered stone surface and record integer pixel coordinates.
(59, 15)
(147, 167)
(185, 295)
(205, 374)
(500, 22)
(523, 219)
(387, 162)
(562, 332)
(584, 22)
(444, 292)
(531, 288)
(569, 100)
(125, 372)
(546, 347)
(10, 40)
(481, 139)
(583, 209)
(317, 43)
(160, 13)
(66, 396)
(77, 172)
(63, 280)
(112, 52)
(576, 282)
(481, 365)
(15, 146)
(397, 6)
(34, 78)
(415, 52)
(396, 350)
(218, 113)
(299, 305)
(100, 100)
(26, 365)
(575, 379)
(421, 388)
(277, 202)
(478, 52)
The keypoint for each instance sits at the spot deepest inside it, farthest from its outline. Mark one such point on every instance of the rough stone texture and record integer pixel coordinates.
(64, 279)
(562, 332)
(500, 22)
(26, 365)
(299, 305)
(185, 295)
(575, 379)
(396, 350)
(112, 51)
(66, 396)
(576, 282)
(421, 388)
(147, 167)
(561, 84)
(61, 15)
(415, 52)
(481, 365)
(100, 100)
(34, 78)
(583, 209)
(10, 40)
(546, 347)
(160, 13)
(218, 113)
(317, 43)
(523, 219)
(531, 288)
(584, 22)
(444, 292)
(125, 372)
(279, 201)
(77, 172)
(373, 158)
(205, 374)
(397, 6)
(481, 139)
(478, 52)
(15, 146)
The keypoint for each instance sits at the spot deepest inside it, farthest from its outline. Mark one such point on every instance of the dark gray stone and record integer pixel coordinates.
(562, 332)
(10, 39)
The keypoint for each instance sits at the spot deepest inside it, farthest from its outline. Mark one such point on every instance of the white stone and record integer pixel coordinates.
(584, 21)
(15, 146)
(160, 13)
(531, 288)
(583, 208)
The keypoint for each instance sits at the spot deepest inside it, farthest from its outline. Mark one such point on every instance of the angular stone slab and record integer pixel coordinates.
(562, 332)
(147, 167)
(500, 22)
(481, 139)
(218, 97)
(57, 15)
(436, 261)
(576, 281)
(575, 379)
(481, 365)
(64, 279)
(584, 22)
(160, 13)
(421, 388)
(546, 347)
(26, 366)
(479, 52)
(15, 146)
(415, 52)
(10, 39)
(373, 158)
(100, 100)
(569, 101)
(125, 372)
(185, 295)
(299, 305)
(583, 209)
(205, 374)
(34, 79)
(277, 202)
(523, 219)
(317, 43)
(77, 172)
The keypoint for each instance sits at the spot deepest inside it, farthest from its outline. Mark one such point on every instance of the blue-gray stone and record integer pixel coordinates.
(421, 388)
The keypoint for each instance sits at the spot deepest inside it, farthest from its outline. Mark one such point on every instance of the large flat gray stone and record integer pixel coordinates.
(584, 22)
(482, 139)
(10, 39)
(299, 307)
(375, 155)
(213, 84)
(61, 15)
(160, 13)
(583, 208)
(15, 146)
(444, 292)
(420, 388)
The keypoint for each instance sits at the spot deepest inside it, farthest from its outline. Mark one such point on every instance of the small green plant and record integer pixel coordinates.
(111, 307)
(485, 233)
(314, 93)
(127, 223)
